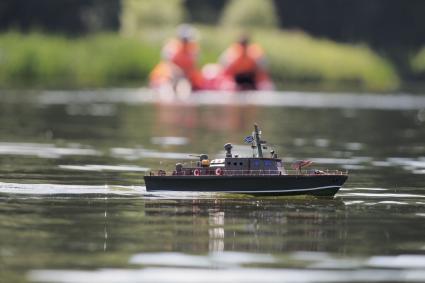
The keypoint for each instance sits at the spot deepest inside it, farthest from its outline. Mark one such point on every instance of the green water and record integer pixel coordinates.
(73, 206)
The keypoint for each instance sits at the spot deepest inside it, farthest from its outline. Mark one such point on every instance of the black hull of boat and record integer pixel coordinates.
(316, 185)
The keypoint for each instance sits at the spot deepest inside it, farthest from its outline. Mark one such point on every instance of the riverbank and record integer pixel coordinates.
(110, 60)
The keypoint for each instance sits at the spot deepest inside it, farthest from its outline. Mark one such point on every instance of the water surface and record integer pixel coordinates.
(73, 206)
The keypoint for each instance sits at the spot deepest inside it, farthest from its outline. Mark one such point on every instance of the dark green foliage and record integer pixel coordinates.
(64, 16)
(204, 11)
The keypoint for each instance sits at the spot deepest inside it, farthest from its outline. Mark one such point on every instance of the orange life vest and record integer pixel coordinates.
(184, 55)
(240, 59)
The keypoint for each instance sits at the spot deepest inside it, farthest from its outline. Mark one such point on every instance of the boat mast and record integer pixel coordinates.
(258, 141)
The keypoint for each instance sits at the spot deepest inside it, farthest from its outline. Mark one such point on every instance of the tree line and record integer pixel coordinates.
(381, 23)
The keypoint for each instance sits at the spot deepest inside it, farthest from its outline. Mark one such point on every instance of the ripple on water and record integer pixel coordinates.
(170, 140)
(45, 150)
(99, 168)
(139, 153)
(347, 101)
(382, 195)
(416, 166)
(399, 261)
(56, 189)
(244, 275)
(92, 109)
(221, 259)
(392, 202)
(378, 196)
(371, 189)
(354, 146)
(232, 267)
(355, 160)
(106, 190)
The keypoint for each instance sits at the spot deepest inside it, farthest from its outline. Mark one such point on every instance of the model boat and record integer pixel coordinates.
(253, 175)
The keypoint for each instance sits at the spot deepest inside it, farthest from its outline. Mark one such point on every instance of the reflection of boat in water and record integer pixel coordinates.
(255, 175)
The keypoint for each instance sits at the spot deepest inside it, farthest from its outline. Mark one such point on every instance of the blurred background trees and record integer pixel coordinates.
(138, 14)
(63, 16)
(395, 29)
(249, 14)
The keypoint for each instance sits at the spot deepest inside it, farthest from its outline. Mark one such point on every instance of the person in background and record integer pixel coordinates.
(244, 67)
(179, 59)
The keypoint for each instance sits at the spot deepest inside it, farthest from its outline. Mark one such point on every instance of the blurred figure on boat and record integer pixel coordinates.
(244, 67)
(179, 61)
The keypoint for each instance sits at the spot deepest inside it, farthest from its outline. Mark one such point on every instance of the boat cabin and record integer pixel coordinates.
(235, 165)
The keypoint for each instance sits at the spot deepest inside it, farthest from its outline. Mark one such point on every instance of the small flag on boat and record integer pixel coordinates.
(248, 139)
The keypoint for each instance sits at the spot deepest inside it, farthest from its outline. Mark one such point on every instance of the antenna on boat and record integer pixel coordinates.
(258, 141)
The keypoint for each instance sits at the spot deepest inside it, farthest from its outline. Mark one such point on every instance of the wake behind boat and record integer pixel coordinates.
(256, 175)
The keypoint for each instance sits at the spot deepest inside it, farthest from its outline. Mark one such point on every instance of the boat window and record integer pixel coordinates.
(235, 163)
(267, 163)
(228, 163)
(241, 164)
(256, 163)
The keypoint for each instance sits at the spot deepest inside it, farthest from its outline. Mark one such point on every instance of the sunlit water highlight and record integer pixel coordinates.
(274, 99)
(54, 190)
(239, 275)
(228, 267)
(44, 150)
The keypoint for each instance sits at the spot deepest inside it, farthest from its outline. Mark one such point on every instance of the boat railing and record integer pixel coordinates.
(279, 172)
(316, 172)
(208, 171)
